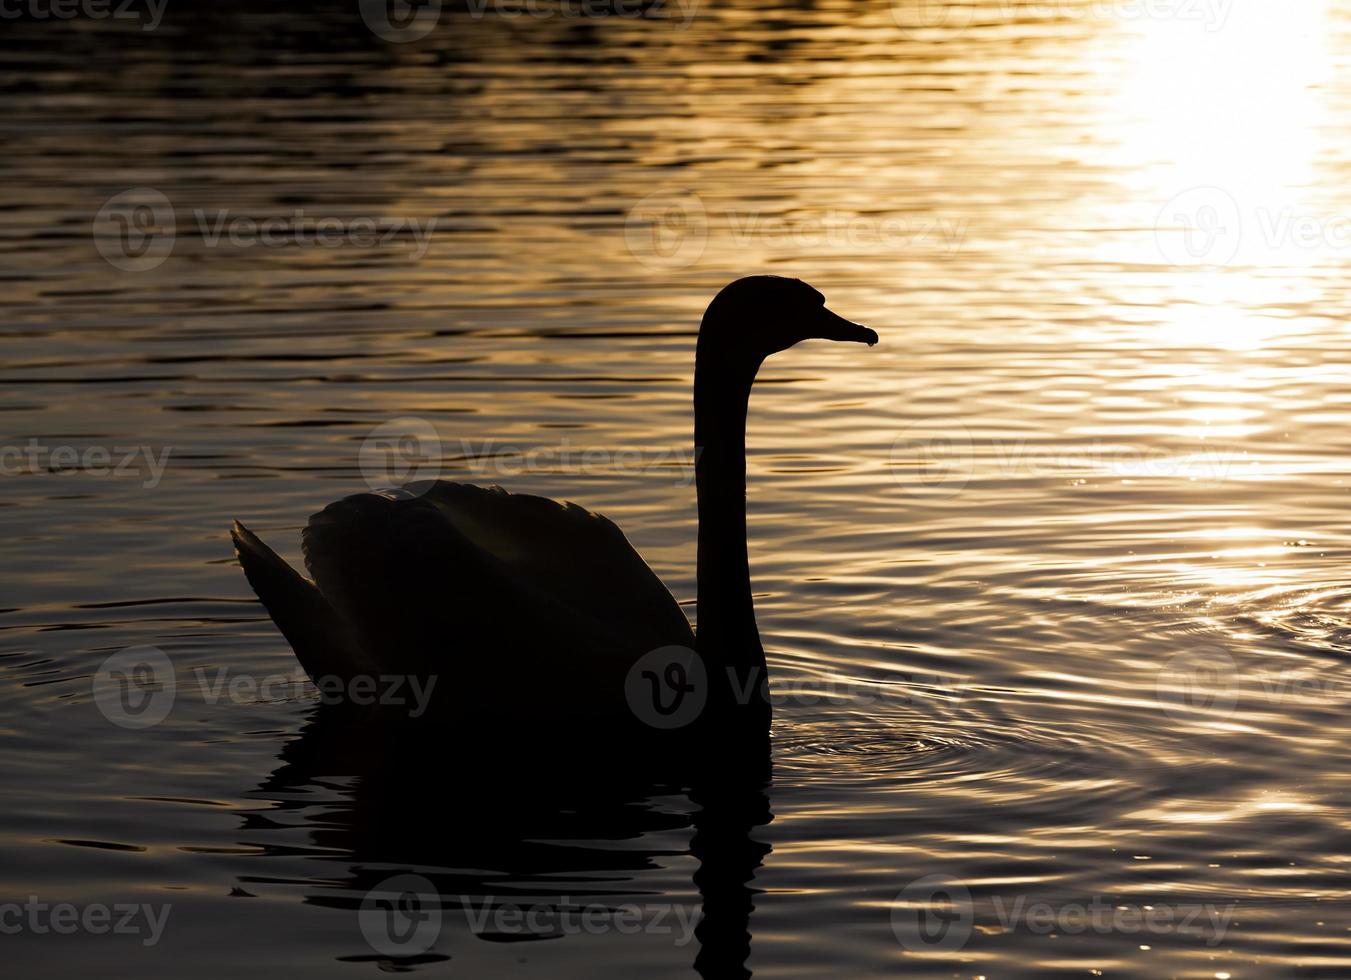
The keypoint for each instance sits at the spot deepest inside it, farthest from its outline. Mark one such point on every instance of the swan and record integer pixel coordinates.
(522, 610)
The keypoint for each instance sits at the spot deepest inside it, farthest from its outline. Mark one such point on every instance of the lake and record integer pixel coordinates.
(1053, 581)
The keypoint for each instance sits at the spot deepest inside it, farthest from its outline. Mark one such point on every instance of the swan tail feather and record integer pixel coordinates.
(316, 631)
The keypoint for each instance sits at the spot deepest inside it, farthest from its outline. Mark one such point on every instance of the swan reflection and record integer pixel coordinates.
(512, 850)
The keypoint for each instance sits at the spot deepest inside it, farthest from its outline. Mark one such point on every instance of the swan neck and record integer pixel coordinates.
(727, 634)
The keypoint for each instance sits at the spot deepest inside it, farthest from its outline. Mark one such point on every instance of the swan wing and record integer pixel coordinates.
(579, 557)
(323, 642)
(528, 581)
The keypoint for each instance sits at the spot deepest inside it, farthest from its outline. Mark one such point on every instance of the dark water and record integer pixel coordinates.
(1052, 580)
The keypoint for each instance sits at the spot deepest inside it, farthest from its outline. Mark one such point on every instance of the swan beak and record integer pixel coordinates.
(832, 326)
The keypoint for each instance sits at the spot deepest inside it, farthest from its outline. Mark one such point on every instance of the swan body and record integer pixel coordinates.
(488, 583)
(523, 609)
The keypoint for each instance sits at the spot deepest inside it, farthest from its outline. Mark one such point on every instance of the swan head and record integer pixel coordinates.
(762, 315)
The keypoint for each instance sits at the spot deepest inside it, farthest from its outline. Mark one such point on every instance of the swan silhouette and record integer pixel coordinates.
(535, 611)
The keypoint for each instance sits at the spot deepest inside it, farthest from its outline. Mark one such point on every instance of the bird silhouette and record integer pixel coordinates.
(526, 611)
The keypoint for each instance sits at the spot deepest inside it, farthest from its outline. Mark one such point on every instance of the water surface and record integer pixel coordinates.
(1052, 580)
